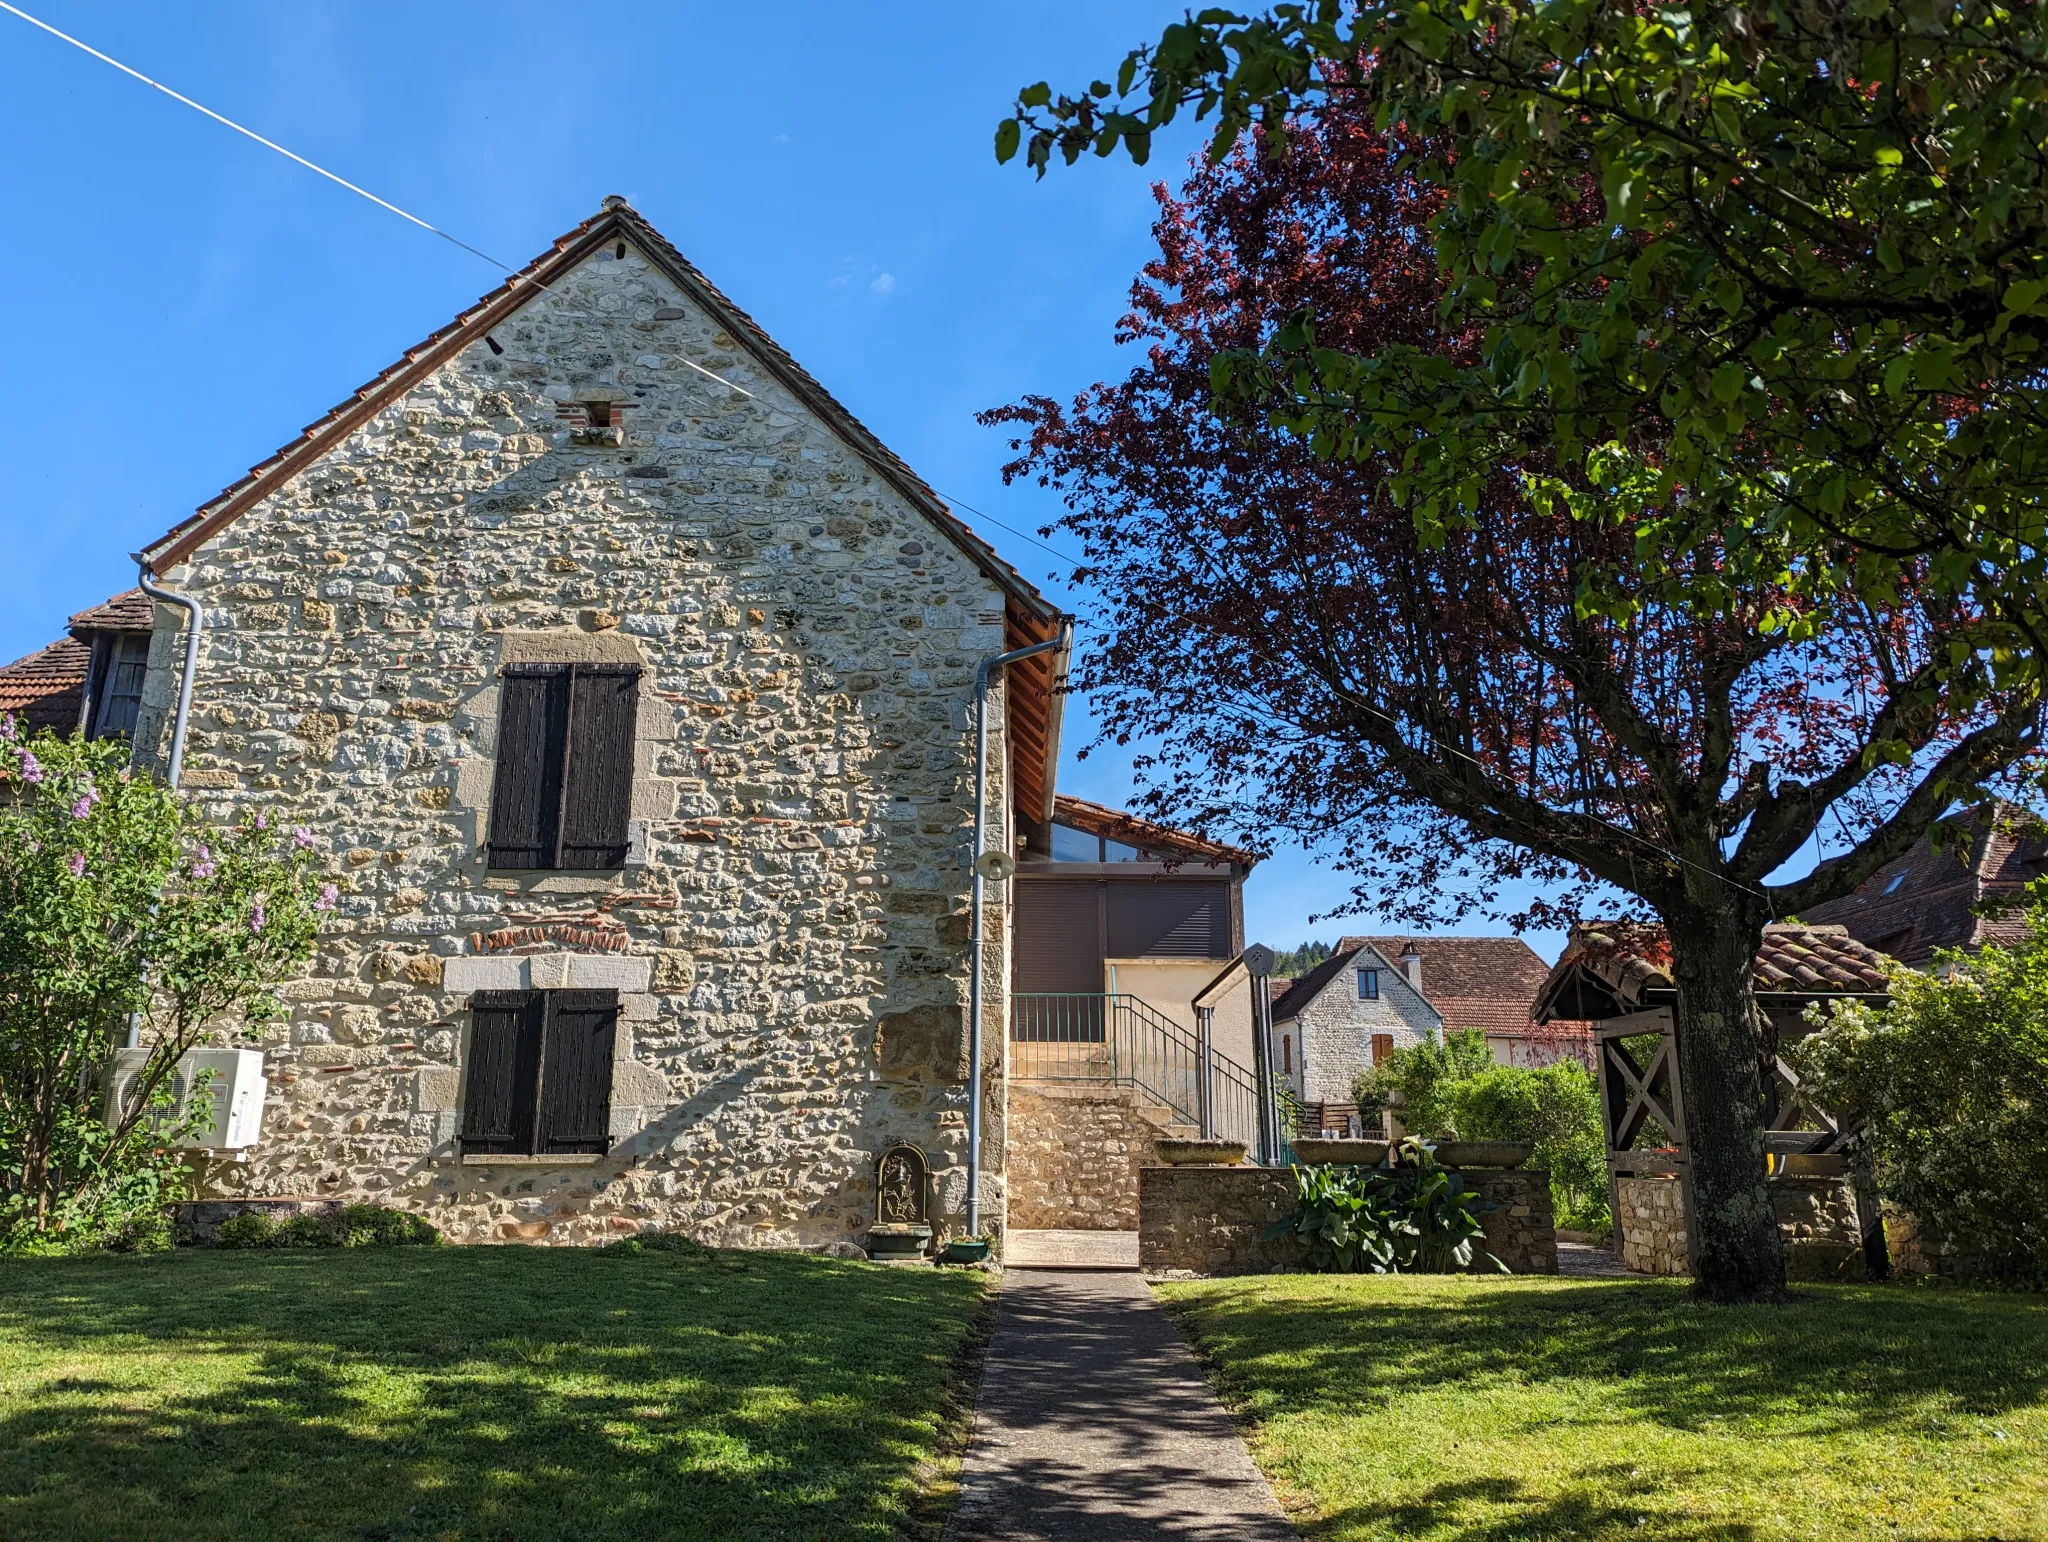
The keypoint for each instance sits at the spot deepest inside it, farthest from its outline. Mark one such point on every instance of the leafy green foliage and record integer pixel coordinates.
(1556, 1108)
(1793, 259)
(1417, 1217)
(1953, 1079)
(355, 1226)
(1293, 963)
(1455, 1091)
(117, 902)
(1425, 1074)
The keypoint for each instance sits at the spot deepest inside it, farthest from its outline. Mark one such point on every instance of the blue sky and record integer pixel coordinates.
(179, 301)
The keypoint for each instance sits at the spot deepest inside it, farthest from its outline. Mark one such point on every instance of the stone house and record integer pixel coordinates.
(1375, 995)
(1346, 1016)
(628, 686)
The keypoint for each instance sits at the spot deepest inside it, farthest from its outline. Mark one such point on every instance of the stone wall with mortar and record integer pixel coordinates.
(789, 933)
(1212, 1220)
(1816, 1217)
(1075, 1153)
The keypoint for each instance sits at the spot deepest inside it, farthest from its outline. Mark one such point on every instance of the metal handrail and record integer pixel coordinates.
(1116, 1039)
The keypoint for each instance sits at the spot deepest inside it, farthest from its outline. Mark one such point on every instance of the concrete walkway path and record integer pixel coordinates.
(1093, 1422)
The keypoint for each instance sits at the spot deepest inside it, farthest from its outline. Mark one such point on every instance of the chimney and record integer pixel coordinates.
(1411, 965)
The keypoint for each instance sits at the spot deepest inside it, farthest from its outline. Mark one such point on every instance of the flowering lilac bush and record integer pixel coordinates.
(116, 903)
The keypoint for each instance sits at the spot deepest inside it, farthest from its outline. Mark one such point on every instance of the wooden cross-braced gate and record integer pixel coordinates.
(1635, 1093)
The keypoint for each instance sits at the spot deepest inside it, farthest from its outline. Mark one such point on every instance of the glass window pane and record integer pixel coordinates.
(1368, 985)
(1071, 845)
(1117, 851)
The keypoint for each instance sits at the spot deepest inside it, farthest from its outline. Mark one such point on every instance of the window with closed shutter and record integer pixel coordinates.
(576, 1074)
(564, 783)
(539, 1079)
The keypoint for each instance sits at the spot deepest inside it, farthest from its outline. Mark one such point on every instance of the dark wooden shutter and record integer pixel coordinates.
(1169, 920)
(576, 1077)
(1382, 1048)
(526, 795)
(504, 1071)
(598, 789)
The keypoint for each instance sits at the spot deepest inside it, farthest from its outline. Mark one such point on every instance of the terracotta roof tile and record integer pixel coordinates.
(129, 611)
(1626, 964)
(1957, 897)
(47, 688)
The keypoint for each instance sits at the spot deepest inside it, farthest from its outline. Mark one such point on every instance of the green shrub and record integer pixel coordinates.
(250, 1229)
(305, 1231)
(379, 1226)
(1424, 1075)
(1556, 1108)
(1416, 1218)
(660, 1242)
(1952, 1077)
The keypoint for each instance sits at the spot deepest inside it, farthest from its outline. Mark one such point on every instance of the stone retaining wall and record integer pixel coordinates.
(1211, 1220)
(1075, 1155)
(1816, 1216)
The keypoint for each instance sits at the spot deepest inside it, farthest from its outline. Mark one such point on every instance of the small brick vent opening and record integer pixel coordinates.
(597, 422)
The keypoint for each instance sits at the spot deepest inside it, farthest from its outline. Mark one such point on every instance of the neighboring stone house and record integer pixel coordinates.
(1487, 984)
(632, 707)
(1375, 995)
(1957, 887)
(1346, 1016)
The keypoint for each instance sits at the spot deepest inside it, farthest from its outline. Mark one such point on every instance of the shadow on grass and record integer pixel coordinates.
(467, 1394)
(1837, 1358)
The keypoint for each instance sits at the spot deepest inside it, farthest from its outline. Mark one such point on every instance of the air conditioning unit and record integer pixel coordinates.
(233, 1093)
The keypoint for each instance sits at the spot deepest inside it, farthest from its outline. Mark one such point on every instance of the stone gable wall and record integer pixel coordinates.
(790, 931)
(1333, 1033)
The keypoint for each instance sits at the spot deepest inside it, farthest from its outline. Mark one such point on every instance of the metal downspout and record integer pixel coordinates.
(194, 626)
(982, 673)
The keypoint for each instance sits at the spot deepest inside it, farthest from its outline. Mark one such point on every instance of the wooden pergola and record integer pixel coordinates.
(1617, 975)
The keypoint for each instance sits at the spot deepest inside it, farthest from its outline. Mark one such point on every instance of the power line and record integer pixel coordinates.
(432, 229)
(268, 144)
(504, 267)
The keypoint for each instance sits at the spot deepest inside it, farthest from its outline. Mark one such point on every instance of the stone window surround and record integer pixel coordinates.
(653, 797)
(640, 1093)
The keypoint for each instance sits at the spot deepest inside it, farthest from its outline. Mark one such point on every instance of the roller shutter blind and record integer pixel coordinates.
(1169, 920)
(1059, 937)
(564, 782)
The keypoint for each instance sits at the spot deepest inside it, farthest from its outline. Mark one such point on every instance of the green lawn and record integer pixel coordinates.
(470, 1393)
(1434, 1409)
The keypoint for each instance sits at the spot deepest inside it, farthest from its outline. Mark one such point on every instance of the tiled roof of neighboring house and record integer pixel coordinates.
(1931, 899)
(1488, 983)
(1099, 819)
(129, 611)
(47, 688)
(1609, 968)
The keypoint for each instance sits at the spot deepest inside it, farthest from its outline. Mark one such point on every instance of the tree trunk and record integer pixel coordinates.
(1737, 1254)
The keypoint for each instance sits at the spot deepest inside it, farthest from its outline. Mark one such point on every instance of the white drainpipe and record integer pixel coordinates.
(982, 672)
